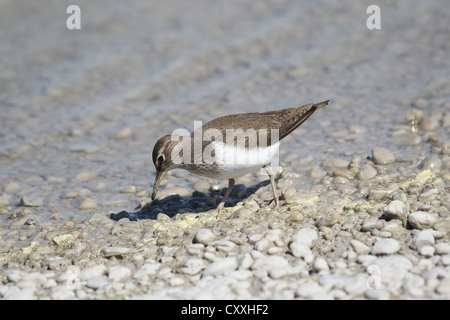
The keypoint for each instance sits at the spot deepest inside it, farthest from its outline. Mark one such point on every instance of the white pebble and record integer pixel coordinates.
(300, 250)
(193, 266)
(359, 247)
(426, 251)
(96, 282)
(395, 210)
(442, 248)
(117, 273)
(385, 246)
(422, 220)
(320, 265)
(220, 266)
(269, 263)
(204, 236)
(422, 238)
(306, 236)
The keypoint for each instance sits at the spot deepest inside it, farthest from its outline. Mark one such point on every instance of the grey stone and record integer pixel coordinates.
(396, 210)
(385, 246)
(422, 219)
(382, 156)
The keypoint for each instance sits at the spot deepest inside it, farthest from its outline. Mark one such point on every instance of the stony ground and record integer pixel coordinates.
(374, 227)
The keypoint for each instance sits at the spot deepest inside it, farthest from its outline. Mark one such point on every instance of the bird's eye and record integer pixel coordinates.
(160, 159)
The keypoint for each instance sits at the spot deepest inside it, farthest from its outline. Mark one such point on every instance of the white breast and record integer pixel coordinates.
(235, 162)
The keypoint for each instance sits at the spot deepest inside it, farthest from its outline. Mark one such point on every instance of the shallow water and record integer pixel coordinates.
(96, 100)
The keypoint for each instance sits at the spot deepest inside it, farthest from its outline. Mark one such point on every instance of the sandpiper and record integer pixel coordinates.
(231, 146)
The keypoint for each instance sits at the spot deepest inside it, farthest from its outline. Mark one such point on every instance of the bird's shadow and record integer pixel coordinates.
(197, 203)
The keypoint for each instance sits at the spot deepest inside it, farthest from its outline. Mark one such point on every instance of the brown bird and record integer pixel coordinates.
(231, 146)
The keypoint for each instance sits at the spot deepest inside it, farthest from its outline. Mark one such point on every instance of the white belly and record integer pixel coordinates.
(235, 162)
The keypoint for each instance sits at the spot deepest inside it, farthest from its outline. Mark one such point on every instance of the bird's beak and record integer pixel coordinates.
(158, 179)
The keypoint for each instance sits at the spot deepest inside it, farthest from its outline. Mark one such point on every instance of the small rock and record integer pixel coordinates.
(385, 246)
(64, 241)
(93, 272)
(306, 236)
(382, 156)
(396, 210)
(320, 265)
(431, 163)
(443, 248)
(421, 239)
(193, 266)
(85, 176)
(366, 173)
(117, 273)
(220, 266)
(300, 250)
(371, 225)
(129, 189)
(88, 204)
(335, 163)
(359, 247)
(269, 263)
(117, 251)
(427, 251)
(316, 172)
(444, 287)
(422, 220)
(146, 270)
(96, 282)
(124, 134)
(204, 236)
(27, 202)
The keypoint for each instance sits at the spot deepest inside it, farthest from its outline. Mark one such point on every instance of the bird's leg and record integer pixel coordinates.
(274, 186)
(231, 183)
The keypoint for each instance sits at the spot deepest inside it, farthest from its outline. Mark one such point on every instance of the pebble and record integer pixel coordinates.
(385, 247)
(422, 238)
(204, 236)
(396, 210)
(442, 248)
(88, 204)
(306, 236)
(220, 267)
(359, 247)
(320, 265)
(194, 266)
(85, 176)
(422, 219)
(96, 282)
(29, 202)
(129, 189)
(300, 250)
(335, 163)
(427, 251)
(269, 263)
(366, 173)
(118, 273)
(382, 156)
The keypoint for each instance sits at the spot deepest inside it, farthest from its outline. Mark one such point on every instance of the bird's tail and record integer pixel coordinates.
(322, 104)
